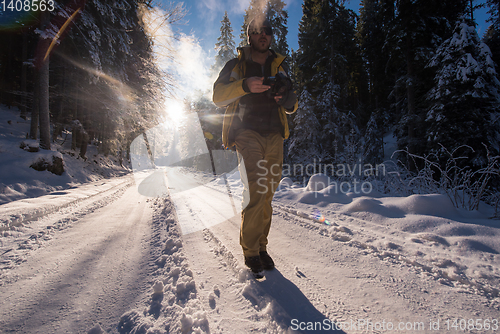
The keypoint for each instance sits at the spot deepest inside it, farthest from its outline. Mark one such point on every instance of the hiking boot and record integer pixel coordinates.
(266, 260)
(253, 262)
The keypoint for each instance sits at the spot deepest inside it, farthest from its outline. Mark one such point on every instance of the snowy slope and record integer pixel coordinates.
(17, 181)
(103, 257)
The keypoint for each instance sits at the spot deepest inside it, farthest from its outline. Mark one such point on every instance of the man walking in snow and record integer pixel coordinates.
(258, 94)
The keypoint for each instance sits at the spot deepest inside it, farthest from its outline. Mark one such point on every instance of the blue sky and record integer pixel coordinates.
(203, 19)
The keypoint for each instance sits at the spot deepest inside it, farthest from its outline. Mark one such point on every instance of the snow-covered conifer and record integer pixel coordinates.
(465, 99)
(225, 45)
(373, 150)
(304, 143)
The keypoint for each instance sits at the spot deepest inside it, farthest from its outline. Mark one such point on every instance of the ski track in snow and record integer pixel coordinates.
(118, 262)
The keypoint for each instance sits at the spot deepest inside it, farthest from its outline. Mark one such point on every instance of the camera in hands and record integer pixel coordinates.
(280, 85)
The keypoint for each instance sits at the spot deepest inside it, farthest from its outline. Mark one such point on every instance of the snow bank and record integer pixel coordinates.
(318, 182)
(19, 180)
(429, 205)
(427, 232)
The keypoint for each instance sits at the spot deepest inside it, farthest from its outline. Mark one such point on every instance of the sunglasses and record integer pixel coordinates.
(266, 30)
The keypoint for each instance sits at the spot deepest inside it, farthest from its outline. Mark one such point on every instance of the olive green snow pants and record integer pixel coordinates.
(260, 165)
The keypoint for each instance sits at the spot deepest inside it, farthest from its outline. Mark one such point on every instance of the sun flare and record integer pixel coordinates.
(175, 110)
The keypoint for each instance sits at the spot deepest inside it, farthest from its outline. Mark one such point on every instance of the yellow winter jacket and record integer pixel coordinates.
(228, 89)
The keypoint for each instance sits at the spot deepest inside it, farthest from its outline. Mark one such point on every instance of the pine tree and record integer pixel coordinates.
(332, 134)
(373, 147)
(102, 71)
(308, 41)
(121, 94)
(304, 144)
(418, 27)
(329, 52)
(330, 65)
(372, 37)
(279, 18)
(464, 104)
(492, 37)
(225, 45)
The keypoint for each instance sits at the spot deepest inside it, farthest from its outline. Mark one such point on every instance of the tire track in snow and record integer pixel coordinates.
(445, 271)
(16, 215)
(172, 304)
(16, 246)
(85, 275)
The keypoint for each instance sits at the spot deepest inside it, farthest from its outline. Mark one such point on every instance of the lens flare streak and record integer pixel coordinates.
(60, 32)
(318, 216)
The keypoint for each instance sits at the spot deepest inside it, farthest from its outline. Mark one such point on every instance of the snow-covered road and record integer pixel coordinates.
(91, 272)
(197, 205)
(117, 261)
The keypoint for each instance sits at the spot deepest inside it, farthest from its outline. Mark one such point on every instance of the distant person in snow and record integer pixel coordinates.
(258, 94)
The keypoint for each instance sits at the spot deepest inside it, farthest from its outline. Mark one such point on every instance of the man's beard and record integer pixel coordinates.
(260, 49)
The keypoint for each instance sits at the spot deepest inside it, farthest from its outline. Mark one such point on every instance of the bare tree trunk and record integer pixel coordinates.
(35, 108)
(24, 71)
(148, 147)
(57, 119)
(43, 82)
(410, 89)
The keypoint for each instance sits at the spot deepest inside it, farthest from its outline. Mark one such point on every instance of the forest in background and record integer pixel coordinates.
(414, 68)
(86, 67)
